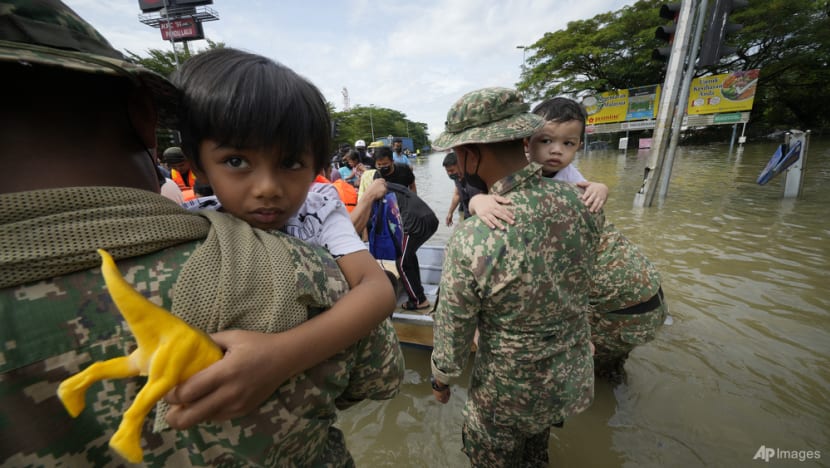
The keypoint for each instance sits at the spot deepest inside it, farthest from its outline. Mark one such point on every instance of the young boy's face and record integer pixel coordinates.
(555, 145)
(255, 185)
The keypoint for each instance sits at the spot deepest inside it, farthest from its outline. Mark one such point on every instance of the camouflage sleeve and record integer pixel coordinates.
(596, 225)
(378, 370)
(456, 315)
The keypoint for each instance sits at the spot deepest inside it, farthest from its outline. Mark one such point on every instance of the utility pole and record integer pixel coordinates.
(524, 54)
(682, 101)
(668, 102)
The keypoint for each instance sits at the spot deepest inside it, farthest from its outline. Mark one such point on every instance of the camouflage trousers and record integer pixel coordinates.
(616, 335)
(504, 450)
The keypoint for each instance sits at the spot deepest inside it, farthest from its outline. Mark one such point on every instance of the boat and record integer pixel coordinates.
(414, 328)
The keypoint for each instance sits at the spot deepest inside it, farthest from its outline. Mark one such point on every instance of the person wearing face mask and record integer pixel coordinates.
(462, 194)
(365, 158)
(525, 288)
(393, 172)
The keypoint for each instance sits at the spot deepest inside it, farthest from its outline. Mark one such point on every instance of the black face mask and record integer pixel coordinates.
(455, 177)
(473, 180)
(385, 170)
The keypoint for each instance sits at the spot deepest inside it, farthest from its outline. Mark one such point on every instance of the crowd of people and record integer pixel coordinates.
(249, 233)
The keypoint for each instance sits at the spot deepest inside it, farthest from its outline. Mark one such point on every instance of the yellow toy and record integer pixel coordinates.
(169, 351)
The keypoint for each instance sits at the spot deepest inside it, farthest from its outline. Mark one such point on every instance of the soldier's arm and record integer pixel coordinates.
(378, 370)
(456, 315)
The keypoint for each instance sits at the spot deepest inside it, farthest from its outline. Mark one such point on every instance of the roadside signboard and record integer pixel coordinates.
(185, 29)
(719, 94)
(642, 102)
(607, 107)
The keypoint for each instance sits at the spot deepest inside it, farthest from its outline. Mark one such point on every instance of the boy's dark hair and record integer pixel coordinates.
(245, 100)
(383, 152)
(397, 140)
(450, 159)
(562, 109)
(351, 155)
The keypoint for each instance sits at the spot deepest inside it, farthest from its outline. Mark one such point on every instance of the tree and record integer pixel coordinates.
(609, 51)
(358, 122)
(163, 62)
(787, 39)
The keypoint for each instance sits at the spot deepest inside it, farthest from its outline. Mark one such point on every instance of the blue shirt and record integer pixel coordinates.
(400, 158)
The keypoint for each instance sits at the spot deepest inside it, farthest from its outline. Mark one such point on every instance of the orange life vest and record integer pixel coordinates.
(347, 192)
(179, 180)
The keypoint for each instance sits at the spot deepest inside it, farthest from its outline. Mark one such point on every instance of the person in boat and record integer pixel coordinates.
(462, 193)
(71, 99)
(419, 224)
(365, 158)
(525, 287)
(180, 171)
(392, 171)
(353, 162)
(628, 305)
(398, 156)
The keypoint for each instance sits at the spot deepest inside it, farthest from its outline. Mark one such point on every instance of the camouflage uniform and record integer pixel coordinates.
(56, 327)
(52, 325)
(525, 288)
(533, 366)
(627, 300)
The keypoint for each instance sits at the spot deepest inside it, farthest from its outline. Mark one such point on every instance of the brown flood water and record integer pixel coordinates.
(746, 362)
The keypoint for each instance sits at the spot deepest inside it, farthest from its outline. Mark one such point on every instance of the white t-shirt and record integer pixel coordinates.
(569, 174)
(172, 191)
(322, 220)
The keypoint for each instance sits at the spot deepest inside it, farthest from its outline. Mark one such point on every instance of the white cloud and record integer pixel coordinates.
(415, 57)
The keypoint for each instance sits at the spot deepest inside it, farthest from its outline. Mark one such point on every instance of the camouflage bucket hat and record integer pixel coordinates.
(488, 115)
(49, 33)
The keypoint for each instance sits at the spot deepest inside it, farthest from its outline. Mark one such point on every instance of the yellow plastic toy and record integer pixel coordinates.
(169, 351)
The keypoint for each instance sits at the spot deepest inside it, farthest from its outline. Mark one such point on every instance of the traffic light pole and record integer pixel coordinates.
(682, 101)
(668, 103)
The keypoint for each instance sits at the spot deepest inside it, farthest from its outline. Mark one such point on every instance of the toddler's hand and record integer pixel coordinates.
(493, 210)
(594, 196)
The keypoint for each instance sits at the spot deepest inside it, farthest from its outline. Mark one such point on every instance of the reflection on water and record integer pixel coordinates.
(746, 362)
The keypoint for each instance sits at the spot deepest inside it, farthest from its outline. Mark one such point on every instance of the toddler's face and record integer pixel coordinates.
(555, 145)
(260, 187)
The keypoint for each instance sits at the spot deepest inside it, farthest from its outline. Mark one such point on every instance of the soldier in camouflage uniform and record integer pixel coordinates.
(71, 105)
(525, 287)
(627, 301)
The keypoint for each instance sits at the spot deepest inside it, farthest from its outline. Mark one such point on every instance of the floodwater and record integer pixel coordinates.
(746, 362)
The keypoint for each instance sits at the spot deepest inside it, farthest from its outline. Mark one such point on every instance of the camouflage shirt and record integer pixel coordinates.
(527, 290)
(53, 328)
(624, 276)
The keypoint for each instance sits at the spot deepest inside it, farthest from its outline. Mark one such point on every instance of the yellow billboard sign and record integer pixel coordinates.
(607, 107)
(717, 94)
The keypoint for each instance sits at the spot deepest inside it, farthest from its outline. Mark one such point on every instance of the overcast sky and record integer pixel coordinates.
(417, 57)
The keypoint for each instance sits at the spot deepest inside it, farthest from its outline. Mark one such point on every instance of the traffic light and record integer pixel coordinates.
(335, 128)
(718, 27)
(666, 32)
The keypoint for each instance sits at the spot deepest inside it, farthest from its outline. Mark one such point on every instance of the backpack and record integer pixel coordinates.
(418, 218)
(386, 231)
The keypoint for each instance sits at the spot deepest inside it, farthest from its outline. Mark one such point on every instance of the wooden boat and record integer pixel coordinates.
(415, 327)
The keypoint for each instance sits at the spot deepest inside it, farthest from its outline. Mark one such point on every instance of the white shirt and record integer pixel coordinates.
(172, 191)
(322, 220)
(569, 174)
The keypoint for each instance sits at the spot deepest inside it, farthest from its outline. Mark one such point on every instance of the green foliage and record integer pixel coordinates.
(787, 39)
(163, 62)
(359, 122)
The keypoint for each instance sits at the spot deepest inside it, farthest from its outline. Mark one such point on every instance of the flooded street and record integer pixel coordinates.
(746, 362)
